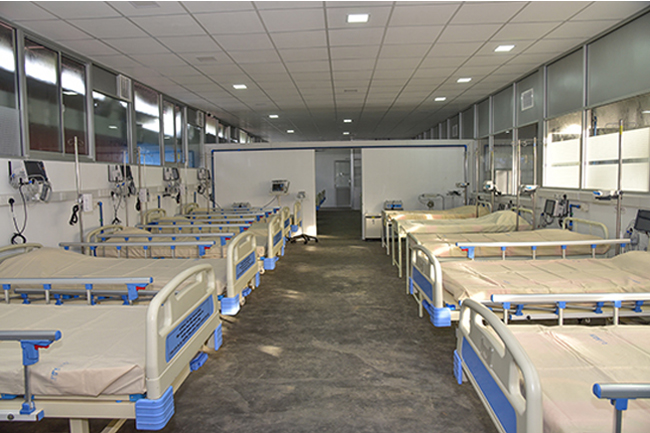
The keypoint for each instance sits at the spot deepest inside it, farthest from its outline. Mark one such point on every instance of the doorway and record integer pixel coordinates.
(338, 174)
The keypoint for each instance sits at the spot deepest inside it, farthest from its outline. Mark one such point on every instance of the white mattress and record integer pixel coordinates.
(53, 262)
(629, 272)
(442, 245)
(502, 221)
(455, 213)
(571, 359)
(102, 350)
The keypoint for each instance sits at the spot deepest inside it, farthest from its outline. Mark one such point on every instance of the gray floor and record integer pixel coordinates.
(329, 342)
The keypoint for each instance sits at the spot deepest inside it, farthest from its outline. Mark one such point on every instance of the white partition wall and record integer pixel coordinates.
(245, 176)
(405, 173)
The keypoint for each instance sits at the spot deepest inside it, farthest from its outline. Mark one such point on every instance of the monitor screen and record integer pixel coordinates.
(278, 187)
(549, 207)
(35, 169)
(642, 222)
(129, 174)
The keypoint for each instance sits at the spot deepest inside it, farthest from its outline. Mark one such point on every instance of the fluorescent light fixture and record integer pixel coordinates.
(464, 80)
(503, 48)
(346, 133)
(290, 131)
(347, 120)
(645, 112)
(240, 86)
(358, 18)
(440, 98)
(273, 116)
(112, 127)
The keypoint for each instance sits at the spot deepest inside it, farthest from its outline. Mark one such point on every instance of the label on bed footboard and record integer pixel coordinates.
(277, 238)
(423, 283)
(244, 265)
(186, 329)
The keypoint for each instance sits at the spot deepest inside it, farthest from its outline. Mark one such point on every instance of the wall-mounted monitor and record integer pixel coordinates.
(642, 222)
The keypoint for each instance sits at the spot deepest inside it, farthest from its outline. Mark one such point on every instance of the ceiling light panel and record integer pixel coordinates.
(504, 48)
(239, 86)
(464, 80)
(358, 18)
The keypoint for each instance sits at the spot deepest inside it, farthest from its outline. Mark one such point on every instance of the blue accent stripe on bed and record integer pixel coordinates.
(423, 283)
(490, 389)
(287, 222)
(244, 265)
(185, 330)
(277, 238)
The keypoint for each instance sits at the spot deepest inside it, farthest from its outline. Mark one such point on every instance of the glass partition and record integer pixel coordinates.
(147, 121)
(110, 115)
(527, 141)
(503, 158)
(9, 114)
(73, 98)
(562, 150)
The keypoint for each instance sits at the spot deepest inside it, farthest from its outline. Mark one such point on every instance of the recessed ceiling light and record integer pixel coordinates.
(240, 86)
(346, 133)
(273, 116)
(112, 127)
(503, 48)
(358, 18)
(440, 98)
(290, 131)
(464, 80)
(347, 120)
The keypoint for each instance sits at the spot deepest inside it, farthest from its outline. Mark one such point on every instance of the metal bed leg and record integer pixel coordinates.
(79, 425)
(113, 426)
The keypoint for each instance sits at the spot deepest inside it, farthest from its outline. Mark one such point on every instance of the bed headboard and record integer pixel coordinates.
(154, 214)
(568, 221)
(189, 208)
(111, 228)
(9, 251)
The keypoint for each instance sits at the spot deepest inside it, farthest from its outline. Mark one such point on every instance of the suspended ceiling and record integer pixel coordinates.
(304, 63)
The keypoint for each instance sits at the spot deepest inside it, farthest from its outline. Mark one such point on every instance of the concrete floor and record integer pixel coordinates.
(329, 342)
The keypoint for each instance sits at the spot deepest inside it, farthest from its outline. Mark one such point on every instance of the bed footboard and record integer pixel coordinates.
(242, 269)
(285, 217)
(499, 369)
(425, 284)
(275, 245)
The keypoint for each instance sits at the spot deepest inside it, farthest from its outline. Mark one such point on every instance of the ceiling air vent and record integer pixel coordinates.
(527, 100)
(124, 87)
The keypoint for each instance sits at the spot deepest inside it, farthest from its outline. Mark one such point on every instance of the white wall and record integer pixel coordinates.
(325, 172)
(48, 223)
(245, 176)
(405, 173)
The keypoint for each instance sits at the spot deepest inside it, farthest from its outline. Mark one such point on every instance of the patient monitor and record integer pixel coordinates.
(30, 178)
(279, 187)
(642, 222)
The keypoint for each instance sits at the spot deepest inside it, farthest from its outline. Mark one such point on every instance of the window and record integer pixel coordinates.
(194, 122)
(211, 127)
(147, 120)
(111, 125)
(42, 78)
(9, 115)
(503, 158)
(562, 151)
(173, 132)
(73, 97)
(485, 161)
(527, 141)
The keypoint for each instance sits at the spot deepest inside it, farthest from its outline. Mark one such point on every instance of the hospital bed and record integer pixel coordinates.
(297, 225)
(439, 288)
(557, 379)
(109, 361)
(496, 222)
(236, 275)
(389, 216)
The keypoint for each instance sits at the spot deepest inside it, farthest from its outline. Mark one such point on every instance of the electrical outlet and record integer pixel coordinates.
(87, 202)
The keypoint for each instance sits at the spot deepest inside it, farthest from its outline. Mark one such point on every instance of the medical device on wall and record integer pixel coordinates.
(556, 208)
(528, 189)
(121, 178)
(279, 187)
(428, 200)
(393, 205)
(30, 178)
(637, 227)
(172, 182)
(203, 176)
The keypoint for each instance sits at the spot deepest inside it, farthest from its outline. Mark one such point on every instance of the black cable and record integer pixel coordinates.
(74, 219)
(19, 232)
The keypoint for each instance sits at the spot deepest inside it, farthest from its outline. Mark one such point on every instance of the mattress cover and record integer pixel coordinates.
(163, 252)
(629, 272)
(445, 245)
(501, 221)
(53, 262)
(455, 213)
(571, 359)
(101, 351)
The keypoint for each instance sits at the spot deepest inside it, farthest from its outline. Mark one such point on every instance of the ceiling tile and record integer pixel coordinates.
(408, 63)
(231, 22)
(116, 62)
(539, 11)
(355, 37)
(109, 28)
(463, 49)
(255, 56)
(353, 65)
(189, 44)
(262, 69)
(486, 12)
(616, 10)
(162, 8)
(293, 20)
(176, 71)
(55, 29)
(304, 54)
(218, 6)
(465, 33)
(412, 35)
(253, 41)
(169, 25)
(362, 52)
(580, 29)
(557, 46)
(137, 45)
(523, 31)
(314, 66)
(352, 75)
(263, 5)
(442, 62)
(159, 59)
(94, 46)
(22, 10)
(300, 39)
(87, 9)
(422, 14)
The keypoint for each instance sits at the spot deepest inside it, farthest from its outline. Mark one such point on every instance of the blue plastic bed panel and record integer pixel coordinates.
(282, 250)
(198, 361)
(218, 337)
(257, 279)
(185, 330)
(247, 291)
(244, 265)
(423, 283)
(411, 285)
(230, 306)
(497, 400)
(277, 238)
(458, 368)
(294, 228)
(269, 263)
(154, 414)
(287, 222)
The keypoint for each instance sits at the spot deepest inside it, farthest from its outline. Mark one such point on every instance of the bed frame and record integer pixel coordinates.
(185, 311)
(275, 241)
(426, 286)
(505, 379)
(297, 225)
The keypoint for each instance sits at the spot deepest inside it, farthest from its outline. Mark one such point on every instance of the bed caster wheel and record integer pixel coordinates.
(242, 301)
